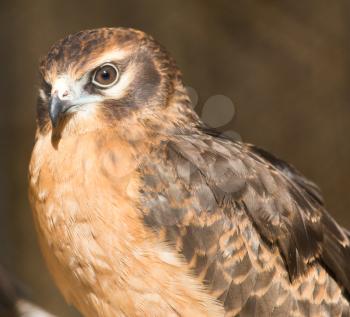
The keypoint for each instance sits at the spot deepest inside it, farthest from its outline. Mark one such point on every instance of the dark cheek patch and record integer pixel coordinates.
(42, 114)
(144, 90)
(146, 84)
(91, 89)
(147, 80)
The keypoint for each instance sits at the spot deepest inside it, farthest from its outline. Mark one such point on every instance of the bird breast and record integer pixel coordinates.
(84, 195)
(80, 192)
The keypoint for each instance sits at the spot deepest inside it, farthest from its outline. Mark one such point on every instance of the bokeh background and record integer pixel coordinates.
(284, 64)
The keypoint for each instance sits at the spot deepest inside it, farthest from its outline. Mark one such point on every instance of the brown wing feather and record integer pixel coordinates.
(251, 227)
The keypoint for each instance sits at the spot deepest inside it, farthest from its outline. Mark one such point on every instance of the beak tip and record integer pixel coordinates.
(54, 118)
(53, 123)
(55, 110)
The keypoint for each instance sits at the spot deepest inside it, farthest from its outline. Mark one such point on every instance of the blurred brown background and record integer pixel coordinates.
(284, 64)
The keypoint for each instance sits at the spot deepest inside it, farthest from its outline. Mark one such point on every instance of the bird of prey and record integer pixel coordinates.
(142, 210)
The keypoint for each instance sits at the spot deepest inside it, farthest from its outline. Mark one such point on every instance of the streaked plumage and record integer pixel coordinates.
(143, 211)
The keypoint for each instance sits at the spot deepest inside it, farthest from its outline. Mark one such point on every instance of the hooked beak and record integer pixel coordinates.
(57, 107)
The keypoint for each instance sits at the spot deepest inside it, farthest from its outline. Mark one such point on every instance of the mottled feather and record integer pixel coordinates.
(141, 210)
(253, 229)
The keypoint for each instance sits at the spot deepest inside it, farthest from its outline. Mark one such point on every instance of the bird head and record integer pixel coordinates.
(109, 73)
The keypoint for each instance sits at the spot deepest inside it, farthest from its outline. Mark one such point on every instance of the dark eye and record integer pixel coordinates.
(105, 76)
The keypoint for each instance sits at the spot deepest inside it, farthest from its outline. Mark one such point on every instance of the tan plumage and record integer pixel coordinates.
(141, 211)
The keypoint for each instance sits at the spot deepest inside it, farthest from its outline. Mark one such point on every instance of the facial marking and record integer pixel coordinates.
(113, 56)
(120, 89)
(70, 66)
(68, 89)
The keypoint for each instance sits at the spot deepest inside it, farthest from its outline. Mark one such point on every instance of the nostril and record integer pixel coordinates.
(65, 94)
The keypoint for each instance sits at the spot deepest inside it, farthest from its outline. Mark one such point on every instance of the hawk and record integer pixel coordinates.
(142, 210)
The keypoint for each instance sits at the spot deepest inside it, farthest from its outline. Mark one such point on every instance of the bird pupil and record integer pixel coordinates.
(105, 75)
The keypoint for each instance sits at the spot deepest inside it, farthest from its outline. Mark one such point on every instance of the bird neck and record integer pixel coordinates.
(176, 117)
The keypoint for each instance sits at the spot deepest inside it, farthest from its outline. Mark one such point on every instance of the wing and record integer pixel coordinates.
(251, 227)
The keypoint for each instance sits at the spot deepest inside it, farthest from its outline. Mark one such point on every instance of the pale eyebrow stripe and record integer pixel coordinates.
(108, 57)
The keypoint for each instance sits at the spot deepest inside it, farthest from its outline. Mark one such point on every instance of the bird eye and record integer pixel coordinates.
(105, 76)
